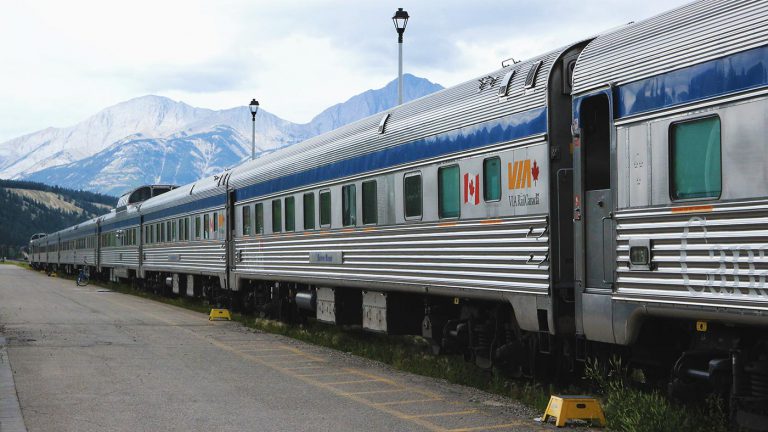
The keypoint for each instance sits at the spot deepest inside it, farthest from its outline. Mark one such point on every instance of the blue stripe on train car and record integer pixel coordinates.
(201, 204)
(78, 233)
(121, 224)
(491, 132)
(738, 72)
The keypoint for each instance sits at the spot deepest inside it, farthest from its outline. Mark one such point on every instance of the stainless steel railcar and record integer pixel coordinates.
(607, 196)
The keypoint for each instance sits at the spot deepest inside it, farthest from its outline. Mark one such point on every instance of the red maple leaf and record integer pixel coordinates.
(535, 171)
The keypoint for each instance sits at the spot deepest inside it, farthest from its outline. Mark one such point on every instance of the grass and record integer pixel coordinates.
(628, 408)
(22, 264)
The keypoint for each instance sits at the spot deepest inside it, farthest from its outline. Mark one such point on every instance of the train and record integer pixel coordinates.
(608, 196)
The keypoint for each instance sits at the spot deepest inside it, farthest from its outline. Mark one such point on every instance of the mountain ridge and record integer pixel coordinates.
(78, 156)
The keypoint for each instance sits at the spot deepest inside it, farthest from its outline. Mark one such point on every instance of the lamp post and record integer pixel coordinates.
(254, 106)
(400, 19)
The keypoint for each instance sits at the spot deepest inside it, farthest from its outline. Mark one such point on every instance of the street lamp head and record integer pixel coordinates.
(400, 19)
(254, 106)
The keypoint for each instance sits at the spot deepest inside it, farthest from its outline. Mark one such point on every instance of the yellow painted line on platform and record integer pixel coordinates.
(490, 427)
(408, 401)
(351, 382)
(444, 414)
(354, 396)
(262, 349)
(305, 367)
(375, 392)
(323, 374)
(271, 356)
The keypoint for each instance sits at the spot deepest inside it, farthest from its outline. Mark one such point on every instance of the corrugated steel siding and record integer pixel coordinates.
(444, 111)
(120, 257)
(474, 255)
(688, 35)
(198, 257)
(716, 258)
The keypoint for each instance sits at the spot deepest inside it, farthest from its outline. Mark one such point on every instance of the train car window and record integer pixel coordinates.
(290, 214)
(162, 232)
(325, 208)
(533, 72)
(222, 233)
(348, 205)
(206, 226)
(277, 216)
(246, 220)
(259, 213)
(197, 227)
(504, 85)
(173, 230)
(412, 195)
(492, 179)
(448, 198)
(695, 161)
(370, 203)
(215, 231)
(309, 211)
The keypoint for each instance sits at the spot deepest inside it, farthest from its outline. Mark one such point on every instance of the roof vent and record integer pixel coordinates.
(530, 80)
(504, 86)
(383, 123)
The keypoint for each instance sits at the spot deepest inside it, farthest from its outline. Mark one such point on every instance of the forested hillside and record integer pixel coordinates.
(27, 208)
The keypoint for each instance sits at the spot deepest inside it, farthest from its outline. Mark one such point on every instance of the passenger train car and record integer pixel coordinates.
(608, 196)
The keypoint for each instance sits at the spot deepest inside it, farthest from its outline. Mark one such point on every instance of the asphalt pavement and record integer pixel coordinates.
(90, 359)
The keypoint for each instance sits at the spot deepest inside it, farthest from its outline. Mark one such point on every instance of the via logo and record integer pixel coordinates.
(520, 173)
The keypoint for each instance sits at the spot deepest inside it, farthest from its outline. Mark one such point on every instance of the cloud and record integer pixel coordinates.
(63, 61)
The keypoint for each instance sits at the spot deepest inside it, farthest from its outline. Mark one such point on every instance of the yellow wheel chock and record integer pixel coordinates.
(565, 408)
(220, 314)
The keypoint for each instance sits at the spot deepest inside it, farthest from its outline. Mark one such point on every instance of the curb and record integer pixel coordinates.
(11, 419)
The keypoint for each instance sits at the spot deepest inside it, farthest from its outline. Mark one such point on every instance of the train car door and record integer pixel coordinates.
(594, 229)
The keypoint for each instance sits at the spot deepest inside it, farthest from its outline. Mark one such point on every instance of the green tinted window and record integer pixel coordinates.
(197, 227)
(277, 216)
(259, 217)
(695, 159)
(290, 214)
(448, 192)
(412, 195)
(309, 211)
(348, 205)
(492, 179)
(370, 210)
(325, 208)
(246, 220)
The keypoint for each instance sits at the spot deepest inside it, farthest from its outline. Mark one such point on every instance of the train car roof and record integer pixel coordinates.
(685, 36)
(120, 219)
(205, 193)
(446, 114)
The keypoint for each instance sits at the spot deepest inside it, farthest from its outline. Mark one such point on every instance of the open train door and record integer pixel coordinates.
(594, 207)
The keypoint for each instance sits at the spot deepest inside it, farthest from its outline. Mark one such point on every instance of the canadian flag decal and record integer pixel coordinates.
(472, 189)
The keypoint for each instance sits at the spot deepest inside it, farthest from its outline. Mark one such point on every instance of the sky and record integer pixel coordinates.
(63, 61)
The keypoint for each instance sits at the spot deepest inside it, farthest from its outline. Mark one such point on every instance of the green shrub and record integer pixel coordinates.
(628, 408)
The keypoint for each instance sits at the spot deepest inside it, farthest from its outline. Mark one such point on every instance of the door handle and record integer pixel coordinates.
(602, 221)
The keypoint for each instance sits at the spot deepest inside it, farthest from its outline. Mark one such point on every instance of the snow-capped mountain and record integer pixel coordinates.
(153, 139)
